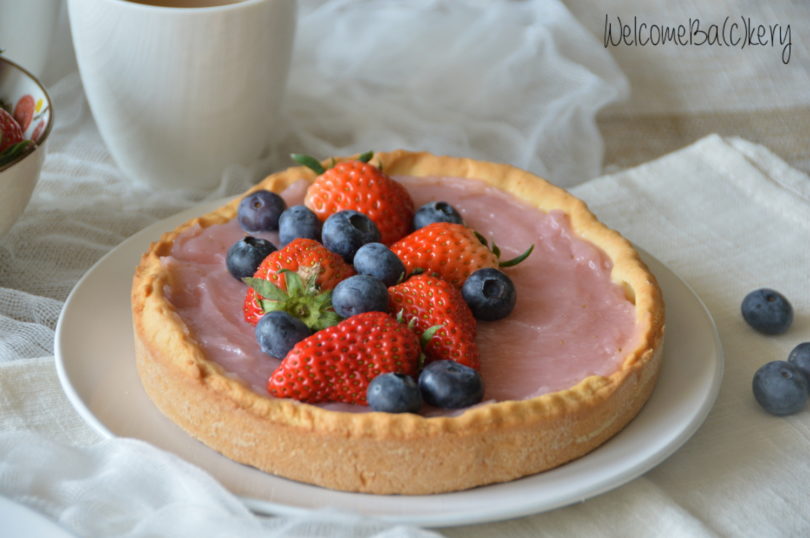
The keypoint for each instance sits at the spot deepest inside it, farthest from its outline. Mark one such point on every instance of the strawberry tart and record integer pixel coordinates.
(398, 323)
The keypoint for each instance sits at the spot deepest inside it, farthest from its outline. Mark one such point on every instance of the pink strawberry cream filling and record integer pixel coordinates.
(570, 320)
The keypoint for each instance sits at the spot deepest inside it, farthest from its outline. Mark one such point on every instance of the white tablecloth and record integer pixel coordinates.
(725, 214)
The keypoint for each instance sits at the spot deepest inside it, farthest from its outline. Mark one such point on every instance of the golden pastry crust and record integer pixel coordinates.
(398, 454)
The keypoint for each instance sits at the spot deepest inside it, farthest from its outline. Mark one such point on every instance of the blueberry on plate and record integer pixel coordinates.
(358, 294)
(346, 231)
(259, 211)
(278, 331)
(394, 393)
(298, 221)
(767, 311)
(436, 211)
(780, 388)
(490, 294)
(450, 385)
(800, 358)
(245, 256)
(379, 261)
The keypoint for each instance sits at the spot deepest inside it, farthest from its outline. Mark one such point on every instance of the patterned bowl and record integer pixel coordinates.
(25, 98)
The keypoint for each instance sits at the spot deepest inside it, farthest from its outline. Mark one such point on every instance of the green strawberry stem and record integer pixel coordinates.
(424, 338)
(313, 164)
(497, 251)
(302, 298)
(516, 260)
(308, 161)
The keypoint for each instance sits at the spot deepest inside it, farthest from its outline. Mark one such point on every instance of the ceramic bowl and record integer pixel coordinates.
(22, 95)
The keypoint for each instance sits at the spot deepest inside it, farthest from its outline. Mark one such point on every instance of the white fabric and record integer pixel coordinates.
(519, 83)
(127, 488)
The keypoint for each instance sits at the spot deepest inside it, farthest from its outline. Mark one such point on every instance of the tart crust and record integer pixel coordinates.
(398, 454)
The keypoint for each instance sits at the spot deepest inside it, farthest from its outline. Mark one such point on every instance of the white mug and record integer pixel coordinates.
(26, 29)
(180, 93)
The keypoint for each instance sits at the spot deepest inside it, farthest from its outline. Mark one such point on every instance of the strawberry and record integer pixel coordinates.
(360, 186)
(318, 269)
(451, 251)
(10, 131)
(24, 111)
(336, 364)
(427, 301)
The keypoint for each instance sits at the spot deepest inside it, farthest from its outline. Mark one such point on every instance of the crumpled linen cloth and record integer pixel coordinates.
(520, 83)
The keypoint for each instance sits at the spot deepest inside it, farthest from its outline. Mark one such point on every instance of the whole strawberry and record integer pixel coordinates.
(362, 187)
(318, 270)
(427, 301)
(10, 131)
(451, 251)
(336, 364)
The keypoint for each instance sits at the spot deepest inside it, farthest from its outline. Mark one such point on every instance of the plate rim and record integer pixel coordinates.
(456, 518)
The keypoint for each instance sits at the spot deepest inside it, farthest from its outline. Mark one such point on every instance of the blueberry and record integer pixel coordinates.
(358, 294)
(450, 385)
(259, 211)
(346, 231)
(800, 358)
(245, 256)
(377, 260)
(490, 294)
(278, 331)
(767, 311)
(435, 212)
(780, 388)
(298, 221)
(394, 393)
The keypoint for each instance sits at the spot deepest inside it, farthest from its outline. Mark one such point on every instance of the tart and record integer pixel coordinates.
(498, 440)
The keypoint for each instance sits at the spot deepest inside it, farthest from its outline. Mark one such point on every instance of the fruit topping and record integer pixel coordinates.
(318, 268)
(427, 301)
(360, 186)
(780, 388)
(11, 133)
(278, 331)
(490, 294)
(260, 211)
(346, 231)
(336, 364)
(800, 358)
(450, 385)
(394, 393)
(298, 221)
(451, 251)
(767, 311)
(358, 294)
(245, 256)
(436, 211)
(377, 260)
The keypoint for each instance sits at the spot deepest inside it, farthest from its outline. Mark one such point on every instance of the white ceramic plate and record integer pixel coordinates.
(95, 362)
(19, 520)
